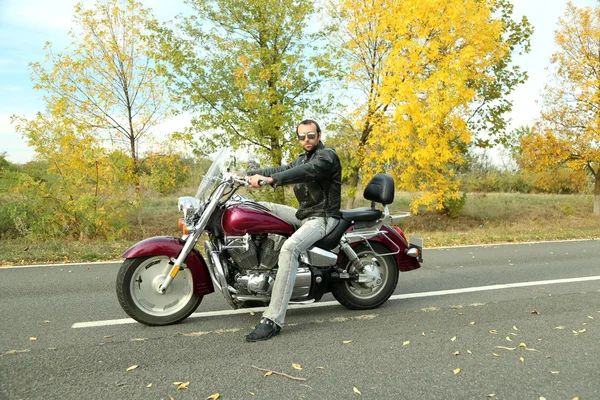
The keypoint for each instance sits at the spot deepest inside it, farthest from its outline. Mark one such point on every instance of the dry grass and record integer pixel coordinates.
(486, 218)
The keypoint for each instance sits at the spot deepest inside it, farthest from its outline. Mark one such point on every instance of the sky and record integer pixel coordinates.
(26, 25)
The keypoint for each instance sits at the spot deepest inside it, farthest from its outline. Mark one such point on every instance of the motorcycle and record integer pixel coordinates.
(164, 279)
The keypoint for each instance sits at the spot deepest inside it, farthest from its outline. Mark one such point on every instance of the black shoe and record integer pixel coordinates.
(265, 329)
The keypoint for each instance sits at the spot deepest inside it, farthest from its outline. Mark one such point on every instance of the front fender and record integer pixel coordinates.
(171, 247)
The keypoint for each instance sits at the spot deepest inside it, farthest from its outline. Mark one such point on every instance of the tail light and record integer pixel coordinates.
(399, 232)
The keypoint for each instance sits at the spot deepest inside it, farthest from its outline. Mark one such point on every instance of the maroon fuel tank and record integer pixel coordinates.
(253, 219)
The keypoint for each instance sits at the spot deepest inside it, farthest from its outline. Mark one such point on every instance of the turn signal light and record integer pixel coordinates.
(182, 226)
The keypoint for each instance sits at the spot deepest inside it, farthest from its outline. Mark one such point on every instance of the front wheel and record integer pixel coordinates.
(381, 276)
(138, 281)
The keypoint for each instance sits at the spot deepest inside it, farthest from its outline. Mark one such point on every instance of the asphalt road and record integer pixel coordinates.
(456, 329)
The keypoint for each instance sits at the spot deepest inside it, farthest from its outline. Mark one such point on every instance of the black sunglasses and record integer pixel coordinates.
(310, 135)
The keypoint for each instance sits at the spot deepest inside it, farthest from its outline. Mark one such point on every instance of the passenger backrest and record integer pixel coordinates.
(380, 189)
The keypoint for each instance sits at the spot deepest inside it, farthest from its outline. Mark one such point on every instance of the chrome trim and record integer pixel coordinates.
(357, 236)
(236, 242)
(217, 273)
(318, 257)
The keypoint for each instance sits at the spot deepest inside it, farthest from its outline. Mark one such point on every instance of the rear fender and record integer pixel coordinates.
(171, 247)
(392, 240)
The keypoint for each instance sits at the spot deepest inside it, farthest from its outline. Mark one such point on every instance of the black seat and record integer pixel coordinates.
(361, 214)
(332, 240)
(380, 189)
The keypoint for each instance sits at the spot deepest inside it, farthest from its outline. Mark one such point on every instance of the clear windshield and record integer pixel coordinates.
(212, 179)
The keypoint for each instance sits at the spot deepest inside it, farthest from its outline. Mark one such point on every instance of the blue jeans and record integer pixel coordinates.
(308, 231)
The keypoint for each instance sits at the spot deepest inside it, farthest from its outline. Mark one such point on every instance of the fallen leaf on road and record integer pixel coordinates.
(496, 355)
(560, 327)
(590, 317)
(149, 385)
(491, 395)
(297, 366)
(193, 334)
(171, 398)
(405, 342)
(536, 312)
(183, 385)
(456, 353)
(132, 368)
(268, 373)
(522, 345)
(555, 372)
(515, 328)
(583, 330)
(469, 351)
(17, 351)
(141, 339)
(472, 323)
(47, 322)
(522, 359)
(453, 339)
(506, 348)
(456, 371)
(509, 339)
(347, 341)
(251, 393)
(493, 331)
(107, 337)
(320, 367)
(422, 333)
(356, 391)
(213, 397)
(33, 339)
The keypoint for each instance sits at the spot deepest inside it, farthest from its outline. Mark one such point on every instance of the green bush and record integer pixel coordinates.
(453, 207)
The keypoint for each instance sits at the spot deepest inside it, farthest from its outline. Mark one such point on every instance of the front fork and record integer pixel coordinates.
(191, 240)
(179, 263)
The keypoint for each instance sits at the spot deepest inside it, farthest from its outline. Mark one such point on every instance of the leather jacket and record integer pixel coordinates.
(317, 179)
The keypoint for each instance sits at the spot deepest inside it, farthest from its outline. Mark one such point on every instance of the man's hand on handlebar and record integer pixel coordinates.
(259, 181)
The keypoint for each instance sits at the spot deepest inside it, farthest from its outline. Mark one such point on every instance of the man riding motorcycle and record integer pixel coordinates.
(317, 175)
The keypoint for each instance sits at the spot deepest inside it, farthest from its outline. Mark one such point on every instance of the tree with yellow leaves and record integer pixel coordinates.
(568, 132)
(432, 73)
(105, 86)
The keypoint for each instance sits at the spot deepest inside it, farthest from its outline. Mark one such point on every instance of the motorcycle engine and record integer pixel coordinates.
(262, 253)
(254, 274)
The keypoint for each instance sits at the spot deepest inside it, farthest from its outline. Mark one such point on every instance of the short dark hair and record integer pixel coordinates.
(308, 122)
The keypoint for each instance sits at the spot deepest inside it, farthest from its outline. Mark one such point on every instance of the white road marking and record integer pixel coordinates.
(334, 303)
(488, 245)
(82, 264)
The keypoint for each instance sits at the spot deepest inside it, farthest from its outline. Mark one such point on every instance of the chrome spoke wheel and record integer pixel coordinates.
(145, 283)
(373, 278)
(375, 284)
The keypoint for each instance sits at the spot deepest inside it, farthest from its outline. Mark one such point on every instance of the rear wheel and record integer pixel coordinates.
(138, 281)
(381, 277)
